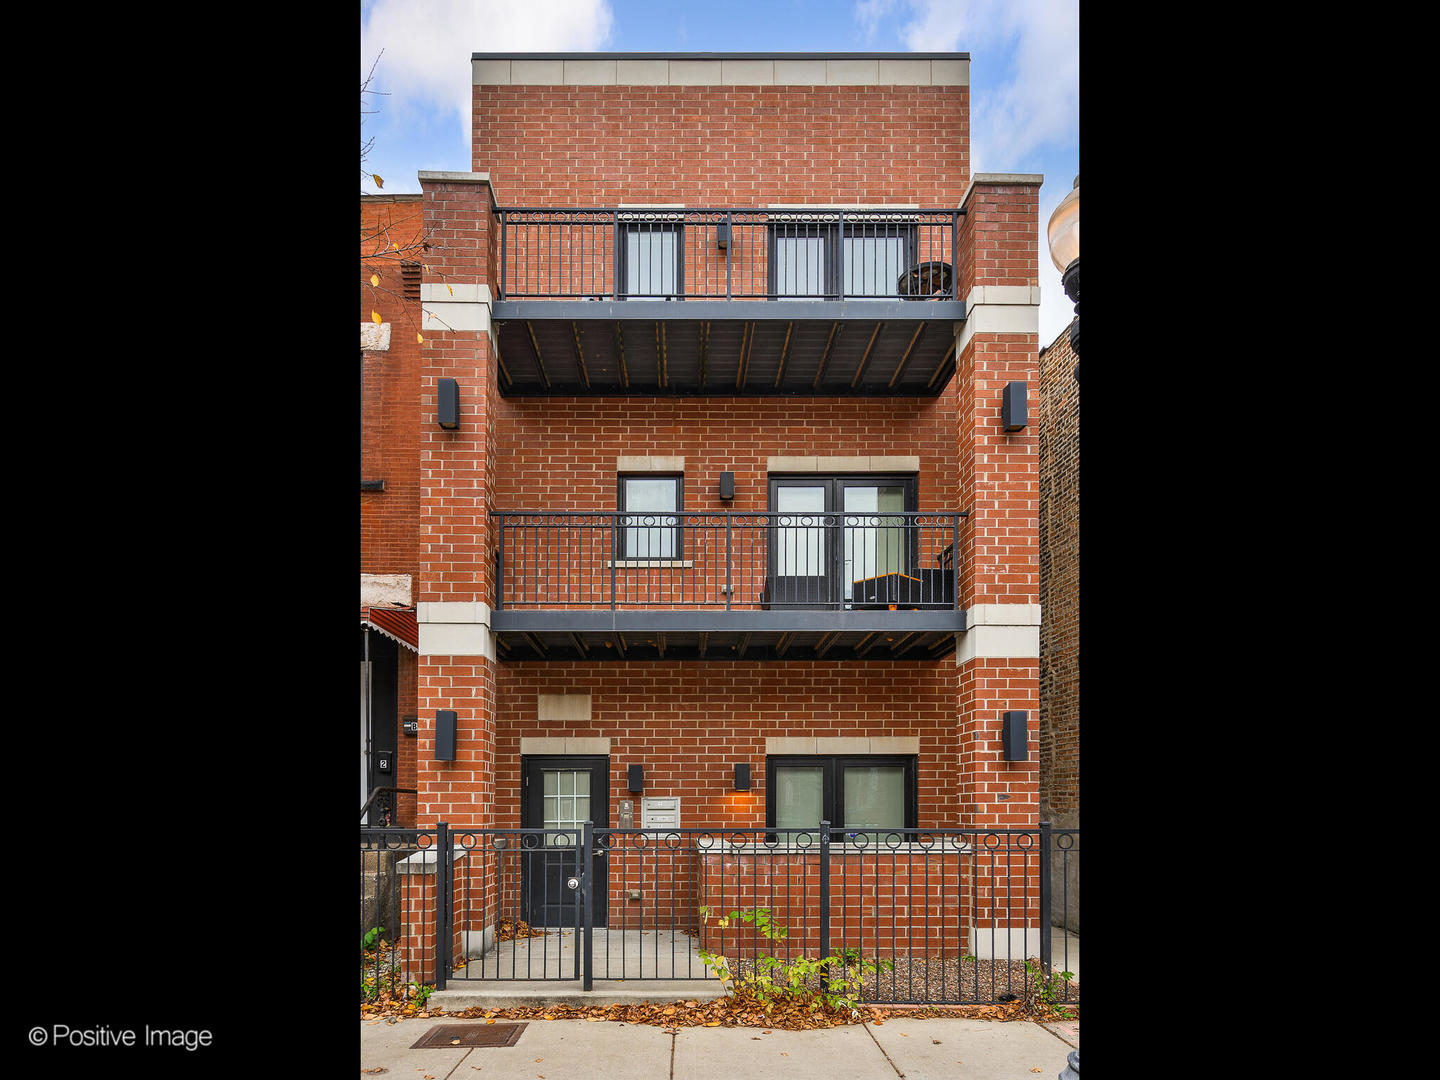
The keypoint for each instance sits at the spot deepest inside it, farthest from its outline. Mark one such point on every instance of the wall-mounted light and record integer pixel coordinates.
(446, 732)
(727, 485)
(637, 778)
(722, 236)
(1013, 735)
(742, 776)
(1012, 406)
(447, 410)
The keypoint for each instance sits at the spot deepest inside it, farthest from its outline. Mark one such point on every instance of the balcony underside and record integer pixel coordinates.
(720, 635)
(726, 348)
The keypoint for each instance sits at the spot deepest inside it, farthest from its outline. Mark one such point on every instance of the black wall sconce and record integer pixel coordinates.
(637, 778)
(722, 236)
(1012, 407)
(447, 411)
(742, 776)
(1014, 736)
(727, 485)
(446, 732)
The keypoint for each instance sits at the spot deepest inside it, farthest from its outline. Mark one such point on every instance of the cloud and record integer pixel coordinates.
(426, 63)
(1034, 104)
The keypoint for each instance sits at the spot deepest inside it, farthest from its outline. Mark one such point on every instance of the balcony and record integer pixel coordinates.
(779, 301)
(717, 586)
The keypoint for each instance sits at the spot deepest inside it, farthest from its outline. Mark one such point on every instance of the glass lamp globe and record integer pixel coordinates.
(1063, 231)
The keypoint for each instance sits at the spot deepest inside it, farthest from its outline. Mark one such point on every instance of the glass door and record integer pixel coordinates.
(875, 544)
(802, 547)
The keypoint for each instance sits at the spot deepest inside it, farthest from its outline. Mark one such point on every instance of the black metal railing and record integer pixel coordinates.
(660, 253)
(756, 560)
(921, 916)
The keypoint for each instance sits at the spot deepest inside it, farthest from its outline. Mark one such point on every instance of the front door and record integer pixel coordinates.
(562, 793)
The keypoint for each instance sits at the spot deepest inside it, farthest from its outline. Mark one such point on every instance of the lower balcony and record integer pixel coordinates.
(718, 586)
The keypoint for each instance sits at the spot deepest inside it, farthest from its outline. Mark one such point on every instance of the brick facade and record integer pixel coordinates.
(689, 722)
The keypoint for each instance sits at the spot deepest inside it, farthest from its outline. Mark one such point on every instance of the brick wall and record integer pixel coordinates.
(723, 145)
(1058, 418)
(390, 392)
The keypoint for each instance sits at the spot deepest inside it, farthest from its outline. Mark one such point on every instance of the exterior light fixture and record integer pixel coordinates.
(727, 485)
(447, 411)
(637, 778)
(1063, 233)
(722, 236)
(446, 734)
(742, 776)
(1013, 735)
(1012, 406)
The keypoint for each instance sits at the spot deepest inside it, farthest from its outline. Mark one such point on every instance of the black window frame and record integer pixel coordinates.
(833, 258)
(833, 784)
(677, 528)
(633, 224)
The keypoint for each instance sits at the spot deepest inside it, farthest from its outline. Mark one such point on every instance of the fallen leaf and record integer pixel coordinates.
(374, 279)
(713, 1023)
(1037, 1070)
(935, 1041)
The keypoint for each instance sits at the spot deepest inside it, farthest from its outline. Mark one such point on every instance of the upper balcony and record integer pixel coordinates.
(727, 585)
(778, 301)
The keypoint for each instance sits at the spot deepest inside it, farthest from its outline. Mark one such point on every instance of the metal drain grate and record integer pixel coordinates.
(446, 1036)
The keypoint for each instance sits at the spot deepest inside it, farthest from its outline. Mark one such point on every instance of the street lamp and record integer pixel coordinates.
(1063, 233)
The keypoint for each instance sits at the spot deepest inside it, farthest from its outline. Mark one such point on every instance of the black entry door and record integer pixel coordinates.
(562, 793)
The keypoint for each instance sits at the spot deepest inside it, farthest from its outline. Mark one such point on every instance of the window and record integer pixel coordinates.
(651, 503)
(864, 793)
(835, 532)
(651, 254)
(819, 258)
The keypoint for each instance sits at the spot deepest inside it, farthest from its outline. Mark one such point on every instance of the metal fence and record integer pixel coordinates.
(704, 253)
(758, 560)
(926, 916)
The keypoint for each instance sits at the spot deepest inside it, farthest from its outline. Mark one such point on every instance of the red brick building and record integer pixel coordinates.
(715, 456)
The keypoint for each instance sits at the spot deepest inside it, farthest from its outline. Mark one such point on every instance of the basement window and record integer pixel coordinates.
(856, 793)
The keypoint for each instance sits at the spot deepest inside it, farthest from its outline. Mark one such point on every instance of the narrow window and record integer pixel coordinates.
(651, 505)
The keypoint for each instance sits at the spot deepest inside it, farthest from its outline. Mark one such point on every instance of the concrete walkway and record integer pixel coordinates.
(579, 1050)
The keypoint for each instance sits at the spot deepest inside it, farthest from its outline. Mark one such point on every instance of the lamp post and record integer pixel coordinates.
(1063, 233)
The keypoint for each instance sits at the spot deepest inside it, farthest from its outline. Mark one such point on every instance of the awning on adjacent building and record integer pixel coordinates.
(396, 623)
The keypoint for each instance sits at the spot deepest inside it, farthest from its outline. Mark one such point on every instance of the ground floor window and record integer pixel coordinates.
(859, 793)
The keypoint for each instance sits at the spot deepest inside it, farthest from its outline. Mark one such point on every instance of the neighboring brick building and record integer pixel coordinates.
(391, 231)
(714, 290)
(1058, 421)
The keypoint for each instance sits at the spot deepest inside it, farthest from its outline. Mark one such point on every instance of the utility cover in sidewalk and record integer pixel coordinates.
(444, 1036)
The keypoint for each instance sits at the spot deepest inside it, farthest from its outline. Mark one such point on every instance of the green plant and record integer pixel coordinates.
(371, 937)
(1043, 993)
(420, 993)
(833, 981)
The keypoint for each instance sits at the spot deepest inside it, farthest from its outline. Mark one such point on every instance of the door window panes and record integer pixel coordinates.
(800, 266)
(800, 538)
(874, 544)
(873, 264)
(566, 804)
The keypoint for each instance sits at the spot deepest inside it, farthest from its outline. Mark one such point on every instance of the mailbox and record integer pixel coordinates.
(660, 813)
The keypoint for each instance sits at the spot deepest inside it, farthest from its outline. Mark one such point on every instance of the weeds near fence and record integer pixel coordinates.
(1043, 994)
(832, 983)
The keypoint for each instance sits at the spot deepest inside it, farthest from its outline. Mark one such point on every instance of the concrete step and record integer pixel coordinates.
(506, 994)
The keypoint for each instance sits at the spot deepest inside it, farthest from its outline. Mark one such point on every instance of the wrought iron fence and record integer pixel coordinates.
(921, 916)
(757, 560)
(813, 253)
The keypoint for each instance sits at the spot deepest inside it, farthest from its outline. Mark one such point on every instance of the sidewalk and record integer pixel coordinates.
(580, 1050)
